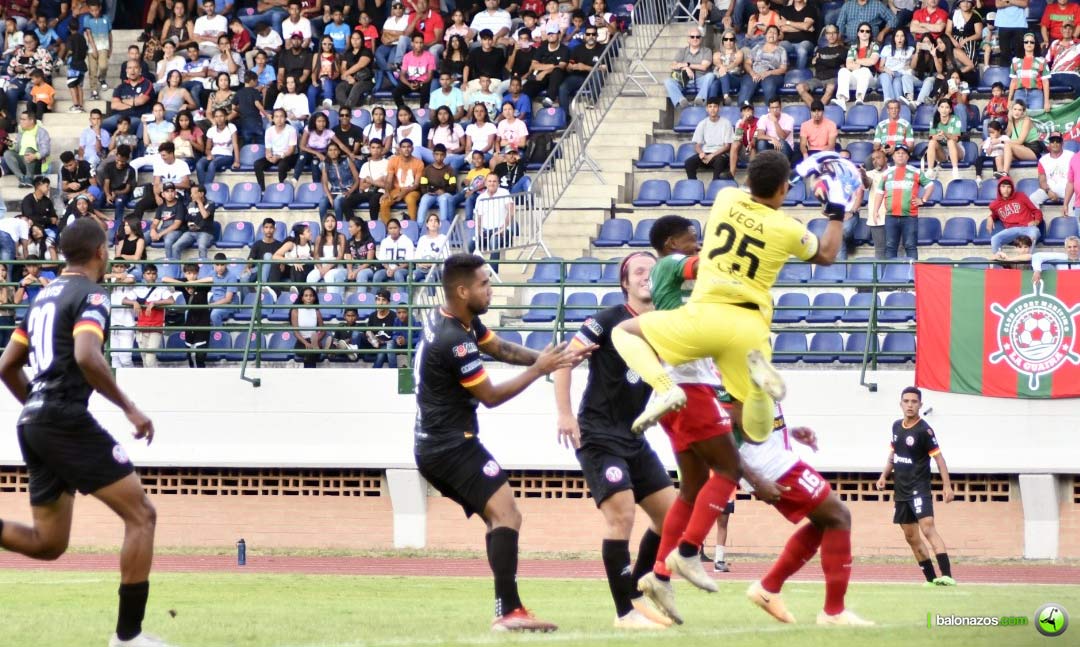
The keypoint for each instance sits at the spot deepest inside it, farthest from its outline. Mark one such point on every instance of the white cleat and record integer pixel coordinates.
(661, 594)
(643, 606)
(637, 621)
(765, 375)
(660, 405)
(771, 603)
(845, 617)
(691, 570)
(142, 640)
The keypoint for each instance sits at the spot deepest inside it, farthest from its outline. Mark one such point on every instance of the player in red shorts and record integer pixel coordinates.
(805, 494)
(700, 432)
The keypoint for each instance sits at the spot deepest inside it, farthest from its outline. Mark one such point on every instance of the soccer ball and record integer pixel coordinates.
(1035, 331)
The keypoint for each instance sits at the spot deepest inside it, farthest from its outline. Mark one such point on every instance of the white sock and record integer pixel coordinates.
(719, 553)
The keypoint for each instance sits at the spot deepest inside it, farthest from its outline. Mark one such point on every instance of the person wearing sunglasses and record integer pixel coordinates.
(582, 61)
(728, 70)
(1030, 77)
(690, 71)
(871, 12)
(858, 70)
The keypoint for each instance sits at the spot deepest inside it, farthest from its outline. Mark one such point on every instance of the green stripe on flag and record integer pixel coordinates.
(1046, 382)
(966, 331)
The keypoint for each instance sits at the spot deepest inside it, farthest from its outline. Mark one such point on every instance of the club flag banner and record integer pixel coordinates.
(993, 333)
(1061, 119)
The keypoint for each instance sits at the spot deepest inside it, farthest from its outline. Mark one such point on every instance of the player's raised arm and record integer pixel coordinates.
(547, 361)
(12, 363)
(507, 351)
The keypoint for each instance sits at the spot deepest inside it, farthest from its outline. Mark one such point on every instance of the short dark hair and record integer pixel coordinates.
(713, 100)
(405, 141)
(220, 257)
(994, 125)
(486, 33)
(190, 267)
(767, 173)
(1023, 241)
(460, 268)
(149, 267)
(67, 156)
(95, 111)
(393, 221)
(251, 76)
(167, 147)
(81, 240)
(123, 150)
(383, 293)
(439, 148)
(664, 228)
(816, 105)
(40, 179)
(911, 389)
(269, 220)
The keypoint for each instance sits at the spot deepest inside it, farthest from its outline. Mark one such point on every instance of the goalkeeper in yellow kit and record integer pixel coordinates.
(747, 241)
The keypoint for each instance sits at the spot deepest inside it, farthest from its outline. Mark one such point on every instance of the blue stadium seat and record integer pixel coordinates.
(360, 118)
(547, 272)
(715, 187)
(237, 234)
(1059, 229)
(991, 75)
(245, 313)
(810, 200)
(281, 231)
(249, 155)
(610, 275)
(898, 272)
(960, 193)
(174, 343)
(615, 232)
(584, 272)
(859, 307)
(855, 346)
(794, 273)
(829, 274)
(241, 342)
(905, 300)
(219, 345)
(924, 114)
(937, 194)
(828, 307)
(731, 113)
(830, 343)
(277, 196)
(833, 113)
(422, 117)
(862, 231)
(280, 347)
(612, 299)
(217, 192)
(363, 302)
(794, 77)
(795, 195)
(789, 347)
(315, 226)
(883, 113)
(378, 230)
(860, 119)
(817, 226)
(579, 306)
(987, 193)
(168, 270)
(798, 111)
(860, 151)
(656, 156)
(410, 228)
(970, 152)
(1072, 145)
(542, 308)
(332, 305)
(796, 300)
(860, 272)
(653, 193)
(929, 230)
(309, 196)
(1028, 185)
(687, 193)
(898, 342)
(548, 120)
(282, 307)
(244, 196)
(685, 152)
(690, 117)
(538, 340)
(958, 231)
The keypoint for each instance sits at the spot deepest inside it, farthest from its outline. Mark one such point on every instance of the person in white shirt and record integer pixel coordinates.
(167, 169)
(267, 40)
(170, 61)
(222, 150)
(494, 214)
(493, 18)
(394, 247)
(297, 23)
(294, 103)
(433, 246)
(1070, 260)
(280, 142)
(121, 316)
(14, 237)
(1053, 172)
(373, 182)
(208, 27)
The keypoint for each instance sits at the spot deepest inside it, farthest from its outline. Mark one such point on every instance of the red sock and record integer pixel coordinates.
(674, 524)
(798, 550)
(710, 502)
(836, 562)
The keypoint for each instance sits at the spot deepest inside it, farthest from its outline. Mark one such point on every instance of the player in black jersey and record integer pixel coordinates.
(620, 467)
(913, 444)
(64, 448)
(450, 382)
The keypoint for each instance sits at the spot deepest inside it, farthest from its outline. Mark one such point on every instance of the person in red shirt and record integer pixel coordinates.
(428, 21)
(1054, 17)
(929, 19)
(1014, 210)
(369, 31)
(744, 136)
(240, 38)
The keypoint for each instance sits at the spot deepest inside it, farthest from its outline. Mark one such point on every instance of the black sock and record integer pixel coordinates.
(132, 609)
(927, 567)
(944, 565)
(646, 557)
(687, 549)
(503, 557)
(616, 554)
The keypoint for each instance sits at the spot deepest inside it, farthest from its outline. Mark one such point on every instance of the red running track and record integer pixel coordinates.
(975, 573)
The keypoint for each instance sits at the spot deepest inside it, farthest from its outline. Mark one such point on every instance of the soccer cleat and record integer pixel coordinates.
(142, 640)
(929, 585)
(691, 570)
(658, 407)
(721, 566)
(944, 580)
(638, 621)
(765, 375)
(845, 617)
(661, 594)
(521, 620)
(771, 603)
(645, 608)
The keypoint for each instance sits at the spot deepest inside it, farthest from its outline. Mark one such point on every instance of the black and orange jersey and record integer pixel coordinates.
(912, 449)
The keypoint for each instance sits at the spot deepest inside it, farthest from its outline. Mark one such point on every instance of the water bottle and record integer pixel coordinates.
(241, 553)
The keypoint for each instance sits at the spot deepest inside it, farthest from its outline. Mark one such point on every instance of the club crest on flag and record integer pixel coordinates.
(1035, 335)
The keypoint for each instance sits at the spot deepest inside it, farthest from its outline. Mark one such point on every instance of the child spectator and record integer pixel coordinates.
(249, 110)
(42, 95)
(338, 31)
(474, 183)
(31, 282)
(263, 249)
(991, 47)
(198, 225)
(149, 301)
(347, 337)
(98, 31)
(993, 150)
(121, 317)
(267, 40)
(744, 136)
(998, 106)
(78, 53)
(394, 249)
(239, 38)
(404, 337)
(48, 38)
(381, 338)
(221, 294)
(307, 323)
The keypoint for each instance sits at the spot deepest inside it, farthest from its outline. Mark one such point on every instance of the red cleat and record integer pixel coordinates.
(521, 620)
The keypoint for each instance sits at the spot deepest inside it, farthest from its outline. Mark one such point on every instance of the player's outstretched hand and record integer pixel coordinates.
(554, 357)
(144, 427)
(582, 353)
(569, 431)
(806, 436)
(769, 491)
(880, 485)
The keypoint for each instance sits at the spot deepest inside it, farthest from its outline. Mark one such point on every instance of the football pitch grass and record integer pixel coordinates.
(77, 609)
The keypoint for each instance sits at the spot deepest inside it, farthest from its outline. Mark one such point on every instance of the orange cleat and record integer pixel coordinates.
(521, 620)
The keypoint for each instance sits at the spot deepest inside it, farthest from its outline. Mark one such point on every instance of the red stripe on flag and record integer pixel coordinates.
(1066, 382)
(933, 314)
(1002, 288)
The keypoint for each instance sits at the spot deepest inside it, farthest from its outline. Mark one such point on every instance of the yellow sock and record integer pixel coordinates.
(640, 356)
(758, 413)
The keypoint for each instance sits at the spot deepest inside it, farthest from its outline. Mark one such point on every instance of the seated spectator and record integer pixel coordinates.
(872, 13)
(765, 66)
(719, 14)
(1013, 209)
(130, 245)
(329, 250)
(484, 96)
(859, 69)
(1024, 142)
(167, 220)
(582, 61)
(957, 90)
(712, 141)
(14, 236)
(339, 182)
(294, 104)
(42, 95)
(898, 189)
(281, 150)
(895, 76)
(498, 22)
(223, 97)
(394, 247)
(121, 318)
(350, 136)
(417, 69)
(239, 38)
(222, 149)
(993, 150)
(454, 59)
(208, 27)
(1070, 260)
(893, 131)
(819, 133)
(574, 36)
(196, 294)
(189, 138)
(403, 182)
(510, 170)
(174, 96)
(438, 186)
(38, 206)
(1029, 77)
(449, 96)
(776, 130)
(357, 73)
(30, 149)
(432, 246)
(263, 250)
(374, 181)
(728, 69)
(198, 226)
(765, 17)
(409, 331)
(81, 207)
(297, 252)
(520, 62)
(93, 140)
(392, 31)
(314, 143)
(485, 60)
(1064, 57)
(170, 62)
(1019, 257)
(297, 23)
(407, 128)
(511, 131)
(460, 29)
(347, 338)
(745, 131)
(268, 41)
(265, 75)
(381, 336)
(117, 182)
(495, 210)
(800, 29)
(155, 133)
(167, 170)
(148, 301)
(481, 136)
(22, 63)
(307, 322)
(474, 184)
(690, 72)
(944, 136)
(450, 135)
(76, 176)
(132, 98)
(359, 247)
(929, 19)
(379, 129)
